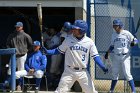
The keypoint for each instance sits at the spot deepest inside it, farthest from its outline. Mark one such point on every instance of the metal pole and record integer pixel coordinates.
(13, 70)
(0, 65)
(89, 17)
(89, 26)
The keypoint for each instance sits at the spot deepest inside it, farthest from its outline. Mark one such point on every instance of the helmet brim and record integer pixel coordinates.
(75, 27)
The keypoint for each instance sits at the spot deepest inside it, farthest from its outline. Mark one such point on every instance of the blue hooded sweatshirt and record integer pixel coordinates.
(36, 60)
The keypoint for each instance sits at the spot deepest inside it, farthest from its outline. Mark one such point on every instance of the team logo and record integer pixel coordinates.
(37, 57)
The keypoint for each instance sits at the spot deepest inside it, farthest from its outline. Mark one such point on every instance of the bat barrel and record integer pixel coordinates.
(39, 11)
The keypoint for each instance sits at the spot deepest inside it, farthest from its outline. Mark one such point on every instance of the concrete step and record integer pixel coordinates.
(40, 92)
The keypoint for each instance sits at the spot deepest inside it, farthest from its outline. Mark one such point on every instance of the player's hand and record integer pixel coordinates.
(31, 71)
(105, 70)
(62, 29)
(132, 44)
(58, 34)
(43, 49)
(106, 55)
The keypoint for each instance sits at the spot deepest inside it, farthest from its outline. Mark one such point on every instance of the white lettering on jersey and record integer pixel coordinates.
(121, 41)
(78, 48)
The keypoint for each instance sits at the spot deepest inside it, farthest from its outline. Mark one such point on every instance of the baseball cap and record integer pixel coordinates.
(117, 22)
(19, 24)
(36, 43)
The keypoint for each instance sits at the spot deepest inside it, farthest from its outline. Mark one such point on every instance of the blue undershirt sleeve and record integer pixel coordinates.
(111, 48)
(52, 51)
(99, 62)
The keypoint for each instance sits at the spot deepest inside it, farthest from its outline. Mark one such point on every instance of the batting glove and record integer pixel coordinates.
(105, 70)
(132, 44)
(106, 55)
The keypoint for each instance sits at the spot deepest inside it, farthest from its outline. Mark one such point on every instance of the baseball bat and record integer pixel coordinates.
(39, 11)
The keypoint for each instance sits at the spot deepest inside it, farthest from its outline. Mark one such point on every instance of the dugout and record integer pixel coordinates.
(55, 13)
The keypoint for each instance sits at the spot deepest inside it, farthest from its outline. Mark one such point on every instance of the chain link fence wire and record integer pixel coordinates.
(103, 12)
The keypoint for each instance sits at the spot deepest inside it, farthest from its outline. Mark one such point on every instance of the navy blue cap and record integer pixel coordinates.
(36, 43)
(19, 24)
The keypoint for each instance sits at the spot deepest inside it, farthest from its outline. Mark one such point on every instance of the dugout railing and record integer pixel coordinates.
(12, 53)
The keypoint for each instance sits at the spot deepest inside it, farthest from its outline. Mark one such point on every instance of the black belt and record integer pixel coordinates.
(20, 55)
(76, 68)
(121, 54)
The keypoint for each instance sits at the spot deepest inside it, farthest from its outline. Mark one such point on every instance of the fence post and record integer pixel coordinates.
(12, 52)
(13, 70)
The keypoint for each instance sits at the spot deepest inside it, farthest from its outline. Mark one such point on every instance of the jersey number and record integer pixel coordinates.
(123, 44)
(83, 57)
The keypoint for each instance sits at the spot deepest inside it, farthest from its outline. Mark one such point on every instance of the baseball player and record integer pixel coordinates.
(34, 65)
(66, 30)
(23, 43)
(54, 68)
(77, 48)
(55, 59)
(121, 42)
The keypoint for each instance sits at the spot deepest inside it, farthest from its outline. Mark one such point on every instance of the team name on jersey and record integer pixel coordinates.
(119, 39)
(79, 48)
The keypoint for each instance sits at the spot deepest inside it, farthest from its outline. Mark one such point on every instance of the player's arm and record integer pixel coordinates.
(8, 42)
(60, 49)
(99, 62)
(133, 41)
(108, 51)
(26, 65)
(94, 54)
(51, 51)
(43, 63)
(29, 42)
(111, 47)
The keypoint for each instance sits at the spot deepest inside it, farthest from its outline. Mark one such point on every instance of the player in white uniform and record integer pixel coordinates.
(121, 42)
(77, 48)
(66, 30)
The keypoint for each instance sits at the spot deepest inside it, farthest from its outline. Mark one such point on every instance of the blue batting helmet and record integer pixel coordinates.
(36, 43)
(118, 22)
(67, 26)
(82, 25)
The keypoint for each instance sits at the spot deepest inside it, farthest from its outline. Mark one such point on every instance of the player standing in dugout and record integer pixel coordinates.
(23, 43)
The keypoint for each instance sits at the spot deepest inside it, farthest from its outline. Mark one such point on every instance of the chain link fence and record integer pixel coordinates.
(103, 12)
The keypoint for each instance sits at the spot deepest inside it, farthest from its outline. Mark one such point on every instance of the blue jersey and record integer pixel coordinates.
(36, 61)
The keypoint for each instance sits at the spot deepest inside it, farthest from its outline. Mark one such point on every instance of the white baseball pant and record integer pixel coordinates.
(20, 61)
(70, 75)
(121, 62)
(22, 73)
